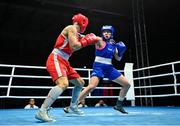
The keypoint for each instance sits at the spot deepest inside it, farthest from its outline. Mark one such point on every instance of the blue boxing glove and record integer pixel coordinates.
(121, 47)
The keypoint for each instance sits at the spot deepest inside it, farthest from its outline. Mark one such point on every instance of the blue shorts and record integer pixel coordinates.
(104, 70)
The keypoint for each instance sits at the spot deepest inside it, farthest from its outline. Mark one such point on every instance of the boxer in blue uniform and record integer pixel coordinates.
(102, 67)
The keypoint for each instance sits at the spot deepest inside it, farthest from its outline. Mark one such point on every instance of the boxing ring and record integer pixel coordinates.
(14, 78)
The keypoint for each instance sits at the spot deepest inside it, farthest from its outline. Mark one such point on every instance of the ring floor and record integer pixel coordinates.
(95, 117)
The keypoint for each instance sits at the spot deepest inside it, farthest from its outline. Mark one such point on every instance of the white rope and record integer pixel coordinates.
(86, 78)
(61, 97)
(49, 87)
(22, 66)
(155, 66)
(68, 97)
(36, 67)
(153, 76)
(32, 76)
(164, 85)
(23, 76)
(81, 69)
(159, 75)
(151, 96)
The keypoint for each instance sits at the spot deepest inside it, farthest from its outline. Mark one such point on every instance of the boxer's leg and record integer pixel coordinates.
(125, 87)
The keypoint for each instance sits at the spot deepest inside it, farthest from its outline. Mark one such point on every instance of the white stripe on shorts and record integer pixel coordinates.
(58, 69)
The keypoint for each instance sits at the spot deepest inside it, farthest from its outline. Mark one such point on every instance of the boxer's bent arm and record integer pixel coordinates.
(73, 40)
(116, 56)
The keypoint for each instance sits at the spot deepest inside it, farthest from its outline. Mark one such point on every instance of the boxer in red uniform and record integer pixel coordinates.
(59, 67)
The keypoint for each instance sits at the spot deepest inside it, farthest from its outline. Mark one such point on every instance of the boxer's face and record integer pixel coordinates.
(107, 34)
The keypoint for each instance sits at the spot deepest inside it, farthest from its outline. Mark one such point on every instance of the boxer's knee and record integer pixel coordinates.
(81, 82)
(62, 82)
(91, 87)
(78, 82)
(126, 85)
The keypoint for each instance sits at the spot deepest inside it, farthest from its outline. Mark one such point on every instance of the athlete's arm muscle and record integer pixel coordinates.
(73, 38)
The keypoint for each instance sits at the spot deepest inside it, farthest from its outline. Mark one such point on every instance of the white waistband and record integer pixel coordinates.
(61, 53)
(103, 60)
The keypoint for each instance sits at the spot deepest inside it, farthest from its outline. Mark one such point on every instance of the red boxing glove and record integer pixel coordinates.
(89, 39)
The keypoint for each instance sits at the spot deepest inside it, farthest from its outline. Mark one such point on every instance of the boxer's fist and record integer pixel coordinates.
(121, 47)
(89, 39)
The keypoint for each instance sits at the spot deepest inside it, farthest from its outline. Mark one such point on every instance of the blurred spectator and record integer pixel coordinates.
(101, 103)
(31, 104)
(82, 104)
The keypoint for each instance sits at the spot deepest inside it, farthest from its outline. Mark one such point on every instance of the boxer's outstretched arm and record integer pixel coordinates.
(76, 43)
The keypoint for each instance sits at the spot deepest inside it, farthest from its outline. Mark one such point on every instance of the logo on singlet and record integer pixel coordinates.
(109, 49)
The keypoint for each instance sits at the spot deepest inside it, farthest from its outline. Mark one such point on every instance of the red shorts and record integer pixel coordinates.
(57, 67)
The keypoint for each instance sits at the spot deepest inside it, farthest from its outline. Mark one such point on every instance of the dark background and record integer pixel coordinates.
(29, 28)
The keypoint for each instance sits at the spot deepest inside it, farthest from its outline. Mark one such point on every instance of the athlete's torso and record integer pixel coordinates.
(62, 46)
(62, 43)
(105, 55)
